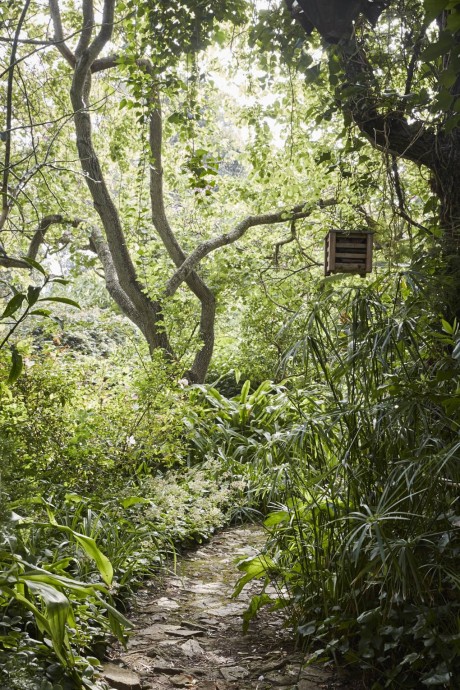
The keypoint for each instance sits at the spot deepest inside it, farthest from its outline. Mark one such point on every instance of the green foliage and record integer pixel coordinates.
(245, 435)
(366, 542)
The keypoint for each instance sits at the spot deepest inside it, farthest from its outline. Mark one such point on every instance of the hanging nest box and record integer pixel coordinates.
(348, 252)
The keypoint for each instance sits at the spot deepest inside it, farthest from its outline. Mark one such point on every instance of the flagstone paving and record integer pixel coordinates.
(188, 633)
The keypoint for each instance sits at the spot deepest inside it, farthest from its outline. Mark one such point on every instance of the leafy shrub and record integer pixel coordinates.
(365, 545)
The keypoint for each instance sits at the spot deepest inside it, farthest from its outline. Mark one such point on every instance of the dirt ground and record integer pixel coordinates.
(188, 634)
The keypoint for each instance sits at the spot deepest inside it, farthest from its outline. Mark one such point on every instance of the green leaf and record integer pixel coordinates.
(13, 305)
(16, 366)
(433, 8)
(40, 312)
(255, 569)
(34, 264)
(256, 603)
(33, 293)
(276, 518)
(133, 500)
(90, 547)
(446, 327)
(453, 21)
(442, 46)
(61, 300)
(57, 611)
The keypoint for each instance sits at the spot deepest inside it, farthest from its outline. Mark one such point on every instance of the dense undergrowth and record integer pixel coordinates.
(365, 546)
(353, 462)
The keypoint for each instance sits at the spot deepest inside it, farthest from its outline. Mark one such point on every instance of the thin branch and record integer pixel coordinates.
(292, 237)
(9, 115)
(10, 262)
(190, 263)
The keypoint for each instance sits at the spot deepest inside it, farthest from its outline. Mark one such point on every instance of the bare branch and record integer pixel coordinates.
(10, 262)
(39, 235)
(87, 28)
(65, 51)
(300, 211)
(9, 115)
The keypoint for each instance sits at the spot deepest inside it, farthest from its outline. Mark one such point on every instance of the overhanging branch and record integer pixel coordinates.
(300, 211)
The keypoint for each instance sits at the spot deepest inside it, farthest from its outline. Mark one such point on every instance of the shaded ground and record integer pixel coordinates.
(189, 634)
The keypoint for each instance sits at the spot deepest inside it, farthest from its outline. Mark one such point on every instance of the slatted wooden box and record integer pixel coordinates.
(348, 252)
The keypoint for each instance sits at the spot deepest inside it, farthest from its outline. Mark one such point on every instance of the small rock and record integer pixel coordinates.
(158, 631)
(164, 667)
(231, 673)
(168, 604)
(209, 621)
(229, 610)
(192, 648)
(121, 678)
(307, 684)
(182, 632)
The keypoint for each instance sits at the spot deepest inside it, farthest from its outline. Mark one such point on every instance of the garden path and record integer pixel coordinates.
(188, 633)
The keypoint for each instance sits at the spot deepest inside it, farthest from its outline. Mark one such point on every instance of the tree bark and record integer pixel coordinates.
(402, 137)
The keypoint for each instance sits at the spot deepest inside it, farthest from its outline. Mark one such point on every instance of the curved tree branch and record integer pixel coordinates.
(283, 216)
(162, 226)
(39, 234)
(390, 132)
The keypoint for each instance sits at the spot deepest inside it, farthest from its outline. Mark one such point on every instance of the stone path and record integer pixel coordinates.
(189, 634)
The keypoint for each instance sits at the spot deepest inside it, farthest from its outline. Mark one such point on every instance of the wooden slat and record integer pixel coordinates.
(350, 255)
(349, 267)
(332, 243)
(369, 254)
(352, 245)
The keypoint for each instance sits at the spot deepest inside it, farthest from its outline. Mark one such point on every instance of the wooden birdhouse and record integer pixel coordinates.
(348, 252)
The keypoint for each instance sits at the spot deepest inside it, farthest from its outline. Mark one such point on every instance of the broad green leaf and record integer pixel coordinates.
(34, 264)
(133, 500)
(41, 619)
(245, 391)
(255, 605)
(255, 569)
(61, 300)
(276, 518)
(92, 550)
(81, 589)
(447, 328)
(90, 547)
(40, 312)
(13, 305)
(433, 8)
(57, 611)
